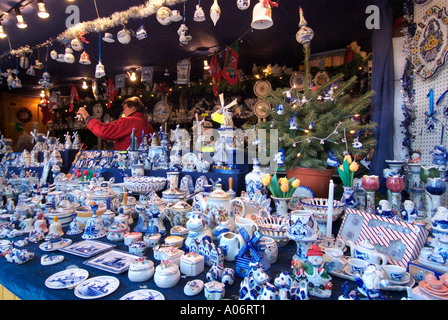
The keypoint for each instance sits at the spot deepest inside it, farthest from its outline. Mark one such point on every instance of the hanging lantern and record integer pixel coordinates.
(305, 33)
(262, 14)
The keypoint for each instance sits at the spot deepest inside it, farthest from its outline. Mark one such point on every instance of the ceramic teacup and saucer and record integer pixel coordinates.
(54, 242)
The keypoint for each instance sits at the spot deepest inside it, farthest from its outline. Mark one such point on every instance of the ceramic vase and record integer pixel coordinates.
(304, 230)
(281, 206)
(348, 197)
(253, 180)
(371, 184)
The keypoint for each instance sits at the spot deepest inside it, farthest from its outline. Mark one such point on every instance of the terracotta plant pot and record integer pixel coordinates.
(316, 180)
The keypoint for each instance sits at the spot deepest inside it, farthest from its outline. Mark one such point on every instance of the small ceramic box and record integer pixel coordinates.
(191, 264)
(172, 254)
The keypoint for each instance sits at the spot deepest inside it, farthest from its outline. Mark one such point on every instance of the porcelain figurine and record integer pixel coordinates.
(198, 229)
(253, 283)
(384, 210)
(288, 289)
(27, 225)
(19, 256)
(154, 218)
(141, 270)
(316, 274)
(215, 273)
(228, 276)
(370, 281)
(409, 212)
(269, 292)
(193, 287)
(152, 239)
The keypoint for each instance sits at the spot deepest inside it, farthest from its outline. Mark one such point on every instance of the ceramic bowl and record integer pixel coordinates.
(144, 184)
(175, 241)
(64, 217)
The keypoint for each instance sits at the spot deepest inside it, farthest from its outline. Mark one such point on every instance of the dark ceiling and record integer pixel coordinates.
(336, 23)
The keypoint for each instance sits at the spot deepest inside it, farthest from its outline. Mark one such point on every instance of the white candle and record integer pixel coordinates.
(330, 209)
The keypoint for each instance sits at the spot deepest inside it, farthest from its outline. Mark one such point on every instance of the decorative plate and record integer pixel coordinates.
(429, 46)
(297, 80)
(320, 78)
(301, 192)
(97, 287)
(161, 111)
(259, 109)
(87, 248)
(66, 279)
(113, 261)
(262, 88)
(143, 294)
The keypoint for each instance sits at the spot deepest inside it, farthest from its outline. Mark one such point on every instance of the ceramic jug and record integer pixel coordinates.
(230, 243)
(365, 250)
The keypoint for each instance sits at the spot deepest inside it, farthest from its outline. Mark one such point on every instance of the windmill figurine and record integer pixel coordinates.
(39, 140)
(144, 144)
(224, 114)
(76, 142)
(250, 252)
(68, 141)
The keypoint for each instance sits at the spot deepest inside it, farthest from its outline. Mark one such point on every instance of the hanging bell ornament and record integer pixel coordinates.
(84, 59)
(262, 15)
(305, 33)
(99, 70)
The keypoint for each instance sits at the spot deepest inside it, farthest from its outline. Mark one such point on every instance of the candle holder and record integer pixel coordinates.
(319, 208)
(395, 184)
(371, 184)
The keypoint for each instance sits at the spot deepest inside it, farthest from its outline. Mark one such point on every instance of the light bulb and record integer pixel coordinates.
(42, 93)
(206, 66)
(2, 32)
(84, 84)
(20, 21)
(42, 12)
(133, 77)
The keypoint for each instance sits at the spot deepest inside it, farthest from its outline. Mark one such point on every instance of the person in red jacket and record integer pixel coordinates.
(120, 130)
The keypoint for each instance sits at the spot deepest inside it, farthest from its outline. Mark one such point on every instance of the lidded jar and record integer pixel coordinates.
(167, 274)
(140, 270)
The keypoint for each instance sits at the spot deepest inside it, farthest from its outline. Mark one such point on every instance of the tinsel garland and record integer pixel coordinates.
(407, 79)
(99, 25)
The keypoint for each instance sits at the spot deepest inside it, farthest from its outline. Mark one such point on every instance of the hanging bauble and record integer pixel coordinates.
(77, 44)
(54, 54)
(262, 15)
(24, 62)
(305, 33)
(124, 36)
(199, 14)
(30, 71)
(69, 57)
(61, 57)
(84, 59)
(215, 12)
(163, 15)
(243, 4)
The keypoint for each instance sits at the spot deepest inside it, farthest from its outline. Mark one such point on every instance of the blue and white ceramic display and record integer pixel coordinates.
(47, 260)
(97, 287)
(68, 278)
(19, 256)
(143, 294)
(87, 248)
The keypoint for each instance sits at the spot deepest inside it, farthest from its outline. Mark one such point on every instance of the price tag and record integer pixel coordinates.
(217, 117)
(207, 149)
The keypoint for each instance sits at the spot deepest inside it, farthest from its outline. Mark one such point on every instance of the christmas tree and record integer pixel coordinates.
(319, 123)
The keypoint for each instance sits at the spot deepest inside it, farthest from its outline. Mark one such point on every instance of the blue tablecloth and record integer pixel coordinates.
(27, 281)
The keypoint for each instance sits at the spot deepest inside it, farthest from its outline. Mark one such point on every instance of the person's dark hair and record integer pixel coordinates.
(135, 102)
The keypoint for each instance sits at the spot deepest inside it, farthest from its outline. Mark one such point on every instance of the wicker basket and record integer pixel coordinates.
(274, 227)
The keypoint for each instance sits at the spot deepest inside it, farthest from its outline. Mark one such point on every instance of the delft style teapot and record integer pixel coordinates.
(365, 250)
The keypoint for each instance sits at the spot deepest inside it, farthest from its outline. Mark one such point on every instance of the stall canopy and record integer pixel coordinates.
(335, 24)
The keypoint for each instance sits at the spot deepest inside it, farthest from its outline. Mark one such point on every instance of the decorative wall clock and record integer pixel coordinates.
(430, 45)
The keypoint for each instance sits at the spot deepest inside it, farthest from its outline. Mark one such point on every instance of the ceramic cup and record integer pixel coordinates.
(334, 260)
(138, 248)
(357, 265)
(394, 272)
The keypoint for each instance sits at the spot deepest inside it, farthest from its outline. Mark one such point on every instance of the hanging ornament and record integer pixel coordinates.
(30, 71)
(243, 4)
(99, 69)
(305, 33)
(38, 65)
(84, 58)
(431, 120)
(229, 71)
(199, 14)
(76, 44)
(293, 124)
(141, 33)
(184, 35)
(54, 54)
(69, 57)
(24, 62)
(332, 160)
(163, 15)
(280, 109)
(356, 143)
(61, 58)
(176, 16)
(124, 36)
(262, 14)
(45, 82)
(108, 37)
(215, 12)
